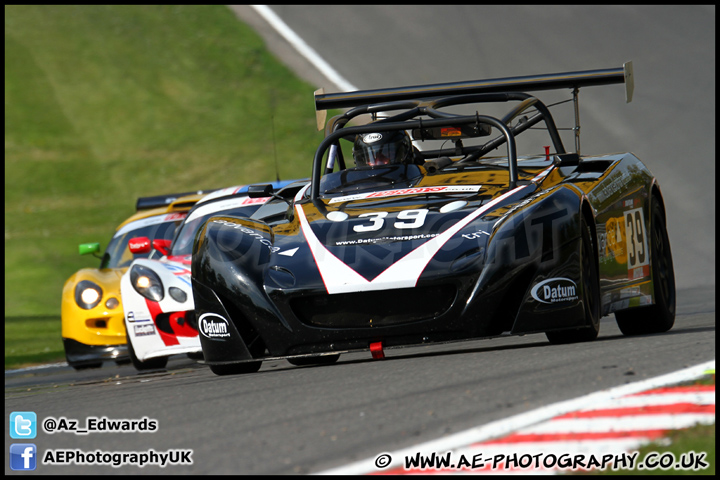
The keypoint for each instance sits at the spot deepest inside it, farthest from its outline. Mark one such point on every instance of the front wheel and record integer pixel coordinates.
(659, 317)
(151, 364)
(591, 294)
(197, 356)
(85, 366)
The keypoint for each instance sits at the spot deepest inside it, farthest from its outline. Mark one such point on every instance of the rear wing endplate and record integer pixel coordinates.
(555, 81)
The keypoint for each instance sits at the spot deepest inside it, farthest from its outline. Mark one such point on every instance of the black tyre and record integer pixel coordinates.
(321, 360)
(256, 349)
(85, 366)
(659, 317)
(151, 364)
(236, 368)
(195, 356)
(591, 294)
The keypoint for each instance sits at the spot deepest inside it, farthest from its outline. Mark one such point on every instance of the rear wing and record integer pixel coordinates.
(555, 81)
(145, 203)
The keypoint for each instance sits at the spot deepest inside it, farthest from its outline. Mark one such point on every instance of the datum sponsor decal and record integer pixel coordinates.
(213, 326)
(555, 290)
(143, 330)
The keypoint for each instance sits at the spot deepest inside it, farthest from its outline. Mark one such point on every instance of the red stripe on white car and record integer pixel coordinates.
(155, 310)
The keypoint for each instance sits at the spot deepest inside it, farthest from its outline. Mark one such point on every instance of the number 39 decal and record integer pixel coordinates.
(404, 219)
(636, 238)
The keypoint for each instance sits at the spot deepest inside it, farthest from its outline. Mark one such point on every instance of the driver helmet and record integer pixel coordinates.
(382, 148)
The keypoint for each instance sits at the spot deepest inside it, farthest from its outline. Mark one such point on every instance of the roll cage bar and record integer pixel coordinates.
(422, 101)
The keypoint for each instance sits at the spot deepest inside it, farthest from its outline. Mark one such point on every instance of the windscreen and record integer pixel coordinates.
(117, 253)
(363, 179)
(245, 206)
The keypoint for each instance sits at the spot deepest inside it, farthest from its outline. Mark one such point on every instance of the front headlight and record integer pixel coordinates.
(88, 294)
(146, 283)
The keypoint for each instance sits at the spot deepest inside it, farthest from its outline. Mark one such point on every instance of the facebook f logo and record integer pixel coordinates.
(23, 425)
(23, 456)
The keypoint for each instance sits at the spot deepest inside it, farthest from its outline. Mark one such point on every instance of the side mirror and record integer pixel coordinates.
(86, 248)
(162, 245)
(139, 245)
(259, 191)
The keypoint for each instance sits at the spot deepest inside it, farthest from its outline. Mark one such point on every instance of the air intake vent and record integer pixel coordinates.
(374, 309)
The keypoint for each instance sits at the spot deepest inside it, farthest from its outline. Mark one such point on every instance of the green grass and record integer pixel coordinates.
(32, 340)
(107, 103)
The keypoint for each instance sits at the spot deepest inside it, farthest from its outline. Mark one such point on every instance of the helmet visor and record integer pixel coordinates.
(380, 154)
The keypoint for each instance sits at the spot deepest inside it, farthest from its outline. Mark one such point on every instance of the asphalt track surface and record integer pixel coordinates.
(290, 420)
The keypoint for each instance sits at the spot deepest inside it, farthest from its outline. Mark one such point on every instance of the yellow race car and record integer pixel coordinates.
(93, 327)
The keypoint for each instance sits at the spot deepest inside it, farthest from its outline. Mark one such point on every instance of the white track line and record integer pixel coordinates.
(699, 398)
(37, 367)
(303, 48)
(523, 420)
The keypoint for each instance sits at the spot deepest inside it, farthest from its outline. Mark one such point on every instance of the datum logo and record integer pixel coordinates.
(23, 425)
(23, 456)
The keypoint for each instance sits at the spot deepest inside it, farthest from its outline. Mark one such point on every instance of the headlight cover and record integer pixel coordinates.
(88, 294)
(146, 283)
(177, 294)
(112, 303)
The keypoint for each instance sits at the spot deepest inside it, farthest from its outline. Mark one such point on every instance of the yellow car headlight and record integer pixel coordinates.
(87, 294)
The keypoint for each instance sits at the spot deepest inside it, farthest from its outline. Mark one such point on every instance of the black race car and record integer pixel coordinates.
(430, 236)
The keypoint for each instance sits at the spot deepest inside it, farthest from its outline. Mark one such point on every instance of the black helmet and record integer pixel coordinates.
(382, 148)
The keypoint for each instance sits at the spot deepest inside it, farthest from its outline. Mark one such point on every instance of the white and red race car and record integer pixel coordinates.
(157, 293)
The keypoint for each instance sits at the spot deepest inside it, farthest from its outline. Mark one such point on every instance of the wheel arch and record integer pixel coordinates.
(586, 211)
(656, 195)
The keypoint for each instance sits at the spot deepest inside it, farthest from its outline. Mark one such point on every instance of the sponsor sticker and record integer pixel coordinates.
(475, 235)
(409, 191)
(252, 233)
(144, 330)
(555, 290)
(212, 325)
(372, 137)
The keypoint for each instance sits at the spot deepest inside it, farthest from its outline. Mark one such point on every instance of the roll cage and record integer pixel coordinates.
(420, 112)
